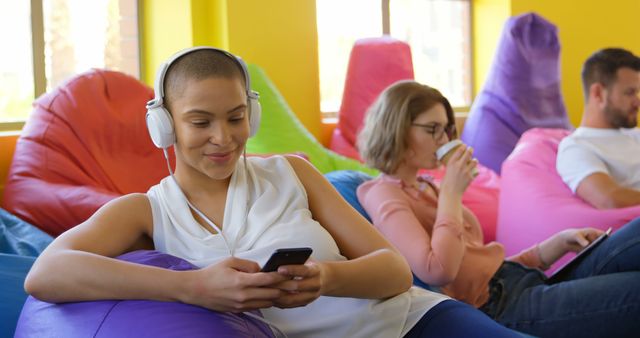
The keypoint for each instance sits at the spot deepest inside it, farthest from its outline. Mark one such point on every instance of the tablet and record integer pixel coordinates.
(561, 273)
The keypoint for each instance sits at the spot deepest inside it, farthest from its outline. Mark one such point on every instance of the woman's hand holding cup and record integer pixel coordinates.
(460, 164)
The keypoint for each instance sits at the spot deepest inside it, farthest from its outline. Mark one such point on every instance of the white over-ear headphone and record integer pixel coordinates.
(162, 134)
(158, 118)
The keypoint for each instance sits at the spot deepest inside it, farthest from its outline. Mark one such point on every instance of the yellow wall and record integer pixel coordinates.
(280, 36)
(165, 29)
(584, 26)
(7, 144)
(210, 23)
(488, 19)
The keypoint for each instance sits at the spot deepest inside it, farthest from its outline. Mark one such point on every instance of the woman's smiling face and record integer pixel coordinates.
(211, 120)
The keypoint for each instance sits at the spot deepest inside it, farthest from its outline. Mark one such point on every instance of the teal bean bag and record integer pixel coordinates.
(18, 237)
(20, 244)
(13, 270)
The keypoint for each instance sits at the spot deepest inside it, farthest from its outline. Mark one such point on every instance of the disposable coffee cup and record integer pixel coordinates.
(445, 152)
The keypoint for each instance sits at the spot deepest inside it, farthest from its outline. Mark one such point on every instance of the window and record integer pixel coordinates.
(16, 87)
(340, 24)
(52, 40)
(438, 31)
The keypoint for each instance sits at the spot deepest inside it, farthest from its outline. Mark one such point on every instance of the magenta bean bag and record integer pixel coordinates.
(534, 201)
(521, 92)
(135, 318)
(374, 64)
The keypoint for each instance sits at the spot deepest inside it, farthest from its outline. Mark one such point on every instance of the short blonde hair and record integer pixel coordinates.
(382, 141)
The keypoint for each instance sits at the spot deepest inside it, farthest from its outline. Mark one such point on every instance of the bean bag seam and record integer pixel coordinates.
(104, 319)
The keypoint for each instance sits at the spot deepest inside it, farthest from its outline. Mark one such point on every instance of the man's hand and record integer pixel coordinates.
(601, 191)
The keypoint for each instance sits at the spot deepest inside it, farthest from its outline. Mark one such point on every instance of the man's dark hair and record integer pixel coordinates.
(602, 66)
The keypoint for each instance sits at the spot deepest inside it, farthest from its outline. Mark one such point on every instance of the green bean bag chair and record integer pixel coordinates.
(281, 132)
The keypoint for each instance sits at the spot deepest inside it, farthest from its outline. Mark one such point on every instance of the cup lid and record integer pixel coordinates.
(445, 148)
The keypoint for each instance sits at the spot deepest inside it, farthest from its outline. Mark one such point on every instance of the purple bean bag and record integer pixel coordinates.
(534, 201)
(135, 318)
(521, 92)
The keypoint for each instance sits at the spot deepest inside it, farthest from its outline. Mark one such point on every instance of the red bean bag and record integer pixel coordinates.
(85, 143)
(534, 201)
(374, 64)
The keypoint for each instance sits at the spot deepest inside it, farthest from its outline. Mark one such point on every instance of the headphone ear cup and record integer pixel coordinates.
(160, 127)
(255, 111)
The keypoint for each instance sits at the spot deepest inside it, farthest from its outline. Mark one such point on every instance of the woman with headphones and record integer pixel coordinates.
(225, 213)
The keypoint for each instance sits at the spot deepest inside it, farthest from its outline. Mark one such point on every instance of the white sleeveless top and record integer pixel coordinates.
(278, 216)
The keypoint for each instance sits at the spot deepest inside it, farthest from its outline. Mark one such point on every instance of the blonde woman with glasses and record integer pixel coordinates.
(442, 240)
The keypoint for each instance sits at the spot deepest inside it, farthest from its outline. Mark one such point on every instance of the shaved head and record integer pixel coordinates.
(198, 65)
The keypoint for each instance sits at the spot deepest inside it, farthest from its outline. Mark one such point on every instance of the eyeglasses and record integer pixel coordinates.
(437, 130)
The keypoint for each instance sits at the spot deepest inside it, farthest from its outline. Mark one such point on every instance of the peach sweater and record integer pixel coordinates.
(441, 251)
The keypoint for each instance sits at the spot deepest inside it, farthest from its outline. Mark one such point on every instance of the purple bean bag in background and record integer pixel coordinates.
(135, 318)
(521, 92)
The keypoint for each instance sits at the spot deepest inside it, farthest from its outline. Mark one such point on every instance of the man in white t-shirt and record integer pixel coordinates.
(600, 160)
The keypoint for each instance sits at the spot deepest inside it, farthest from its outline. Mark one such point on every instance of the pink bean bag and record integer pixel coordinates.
(374, 64)
(534, 201)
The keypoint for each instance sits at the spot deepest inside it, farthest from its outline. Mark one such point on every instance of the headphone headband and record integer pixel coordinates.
(164, 67)
(158, 118)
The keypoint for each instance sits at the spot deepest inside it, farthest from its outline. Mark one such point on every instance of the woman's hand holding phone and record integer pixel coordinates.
(304, 281)
(286, 256)
(233, 285)
(303, 286)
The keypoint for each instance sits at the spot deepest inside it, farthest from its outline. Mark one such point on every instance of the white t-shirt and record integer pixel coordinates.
(278, 216)
(615, 152)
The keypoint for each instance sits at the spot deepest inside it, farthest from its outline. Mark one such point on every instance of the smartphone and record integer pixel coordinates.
(560, 274)
(286, 256)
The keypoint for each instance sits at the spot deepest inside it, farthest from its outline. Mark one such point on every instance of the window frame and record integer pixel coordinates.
(331, 117)
(37, 57)
(38, 60)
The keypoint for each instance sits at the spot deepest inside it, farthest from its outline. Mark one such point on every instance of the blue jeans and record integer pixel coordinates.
(600, 297)
(455, 319)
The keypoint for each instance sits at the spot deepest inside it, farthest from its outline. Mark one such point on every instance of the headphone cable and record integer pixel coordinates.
(224, 238)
